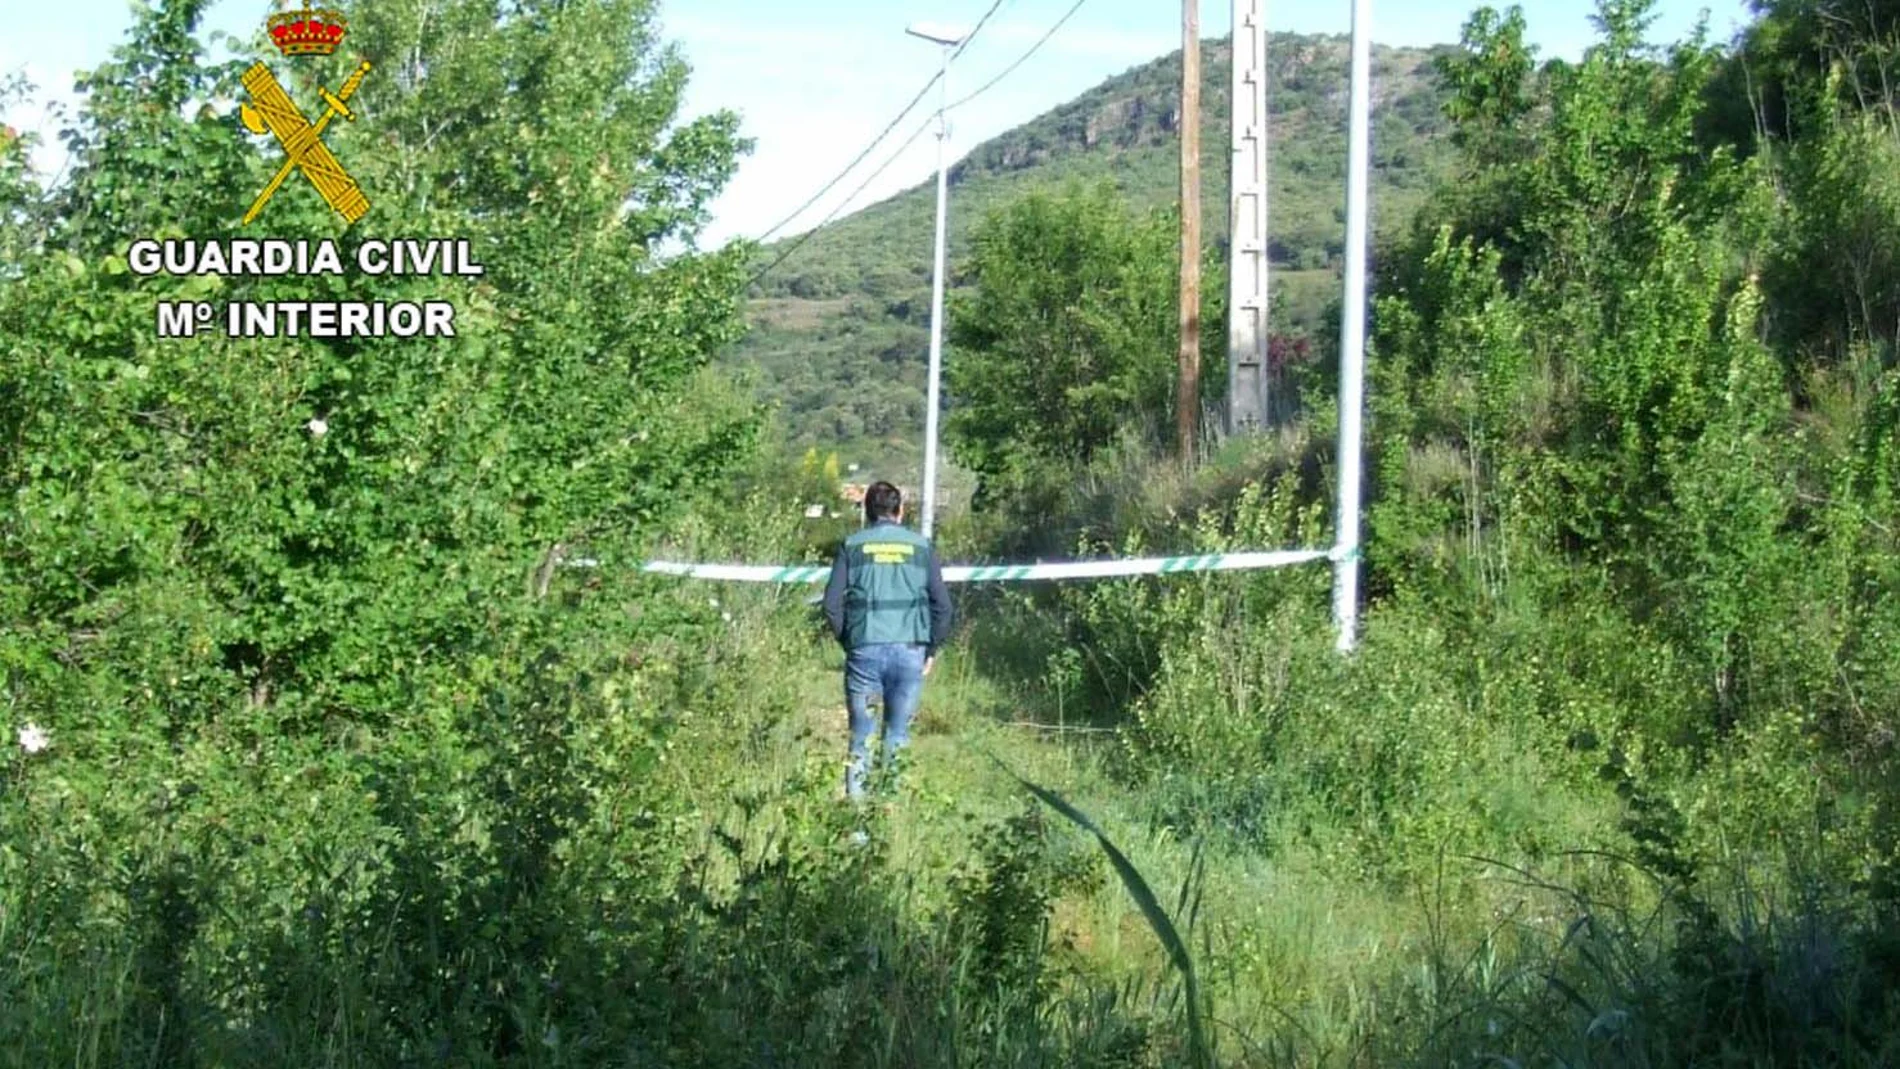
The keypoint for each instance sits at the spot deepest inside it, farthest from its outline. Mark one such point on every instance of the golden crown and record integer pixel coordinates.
(307, 32)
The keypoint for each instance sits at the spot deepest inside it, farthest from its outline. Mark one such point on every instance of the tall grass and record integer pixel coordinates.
(1416, 857)
(1693, 904)
(711, 910)
(1151, 910)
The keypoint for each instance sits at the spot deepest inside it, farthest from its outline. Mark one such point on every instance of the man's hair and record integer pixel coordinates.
(882, 501)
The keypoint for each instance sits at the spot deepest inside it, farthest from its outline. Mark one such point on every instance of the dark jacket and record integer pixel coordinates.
(858, 573)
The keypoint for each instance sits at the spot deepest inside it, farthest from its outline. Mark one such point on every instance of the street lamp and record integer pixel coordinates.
(1352, 330)
(946, 39)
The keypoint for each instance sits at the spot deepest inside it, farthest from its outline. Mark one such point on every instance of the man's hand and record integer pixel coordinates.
(928, 661)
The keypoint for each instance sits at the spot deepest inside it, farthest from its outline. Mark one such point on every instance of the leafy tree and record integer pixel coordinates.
(327, 568)
(1487, 82)
(1584, 378)
(1066, 339)
(330, 527)
(1801, 44)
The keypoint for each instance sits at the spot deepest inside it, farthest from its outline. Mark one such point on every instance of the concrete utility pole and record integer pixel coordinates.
(1187, 410)
(947, 39)
(1352, 332)
(1247, 326)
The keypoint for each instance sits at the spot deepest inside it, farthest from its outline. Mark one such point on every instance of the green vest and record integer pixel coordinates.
(887, 586)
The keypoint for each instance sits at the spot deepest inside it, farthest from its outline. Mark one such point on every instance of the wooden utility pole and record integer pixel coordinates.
(1187, 411)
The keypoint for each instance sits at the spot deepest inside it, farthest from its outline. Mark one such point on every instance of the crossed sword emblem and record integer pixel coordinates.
(303, 141)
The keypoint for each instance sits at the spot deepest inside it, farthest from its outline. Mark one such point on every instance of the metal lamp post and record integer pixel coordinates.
(947, 40)
(1352, 332)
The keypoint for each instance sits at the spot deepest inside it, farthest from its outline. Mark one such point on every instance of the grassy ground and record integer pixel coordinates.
(701, 901)
(1404, 861)
(1300, 965)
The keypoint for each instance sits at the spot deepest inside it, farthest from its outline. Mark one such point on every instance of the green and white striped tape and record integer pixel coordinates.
(992, 573)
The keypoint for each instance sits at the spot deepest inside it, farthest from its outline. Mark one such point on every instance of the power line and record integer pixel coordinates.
(884, 133)
(806, 236)
(1024, 58)
(868, 149)
(872, 177)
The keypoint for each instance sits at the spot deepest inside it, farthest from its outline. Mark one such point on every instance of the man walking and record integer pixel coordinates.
(888, 608)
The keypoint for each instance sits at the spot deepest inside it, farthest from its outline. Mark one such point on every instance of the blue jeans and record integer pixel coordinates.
(896, 672)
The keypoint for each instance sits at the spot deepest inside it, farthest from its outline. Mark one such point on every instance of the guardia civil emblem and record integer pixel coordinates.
(304, 33)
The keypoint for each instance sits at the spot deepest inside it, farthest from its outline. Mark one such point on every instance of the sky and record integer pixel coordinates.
(815, 82)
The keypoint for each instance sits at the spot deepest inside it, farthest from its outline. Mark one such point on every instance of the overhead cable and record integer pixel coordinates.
(872, 177)
(882, 134)
(1024, 58)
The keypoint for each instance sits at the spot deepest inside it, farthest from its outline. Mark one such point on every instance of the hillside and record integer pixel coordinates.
(840, 330)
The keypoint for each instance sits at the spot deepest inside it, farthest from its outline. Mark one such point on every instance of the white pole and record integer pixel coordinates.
(936, 312)
(1352, 334)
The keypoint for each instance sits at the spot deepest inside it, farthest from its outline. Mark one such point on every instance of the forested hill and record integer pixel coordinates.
(840, 329)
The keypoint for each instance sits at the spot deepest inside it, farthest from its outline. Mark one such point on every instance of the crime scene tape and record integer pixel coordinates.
(991, 573)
